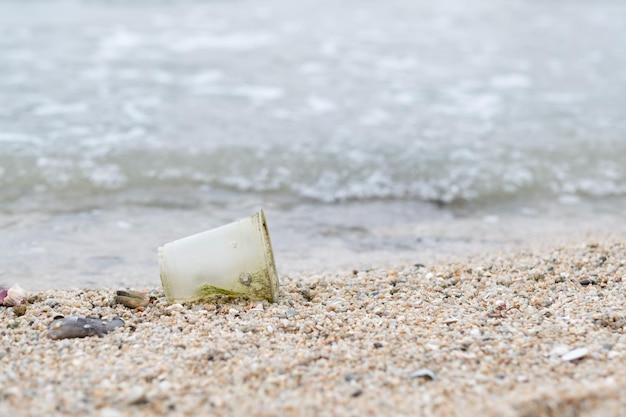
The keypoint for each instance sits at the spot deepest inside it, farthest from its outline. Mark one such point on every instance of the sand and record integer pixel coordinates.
(523, 334)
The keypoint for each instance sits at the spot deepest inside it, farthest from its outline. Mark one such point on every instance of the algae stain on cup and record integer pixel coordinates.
(234, 260)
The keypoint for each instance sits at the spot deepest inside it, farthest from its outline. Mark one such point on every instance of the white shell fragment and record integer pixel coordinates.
(423, 373)
(16, 295)
(572, 355)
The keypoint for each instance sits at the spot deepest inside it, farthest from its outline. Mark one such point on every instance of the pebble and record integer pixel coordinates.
(136, 396)
(559, 350)
(176, 307)
(109, 412)
(19, 310)
(52, 302)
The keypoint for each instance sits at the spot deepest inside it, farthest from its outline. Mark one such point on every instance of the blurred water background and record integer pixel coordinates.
(370, 132)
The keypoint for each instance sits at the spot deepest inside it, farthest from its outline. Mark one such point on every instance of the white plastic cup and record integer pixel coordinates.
(233, 260)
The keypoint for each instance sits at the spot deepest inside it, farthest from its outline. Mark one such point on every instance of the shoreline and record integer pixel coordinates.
(117, 246)
(494, 331)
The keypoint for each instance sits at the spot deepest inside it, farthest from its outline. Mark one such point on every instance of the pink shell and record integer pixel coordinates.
(3, 293)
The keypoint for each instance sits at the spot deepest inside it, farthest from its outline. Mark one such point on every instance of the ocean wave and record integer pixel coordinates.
(326, 174)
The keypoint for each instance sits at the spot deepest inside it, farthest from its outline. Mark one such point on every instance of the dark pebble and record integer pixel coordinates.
(378, 345)
(585, 282)
(349, 377)
(357, 393)
(306, 294)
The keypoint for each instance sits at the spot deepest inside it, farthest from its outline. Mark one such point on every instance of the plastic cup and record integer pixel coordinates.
(233, 260)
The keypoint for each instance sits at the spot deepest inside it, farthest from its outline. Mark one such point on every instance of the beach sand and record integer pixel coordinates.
(524, 334)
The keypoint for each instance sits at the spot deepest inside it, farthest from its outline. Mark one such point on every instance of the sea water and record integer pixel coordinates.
(370, 132)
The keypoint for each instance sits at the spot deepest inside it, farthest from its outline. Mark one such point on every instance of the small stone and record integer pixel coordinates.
(559, 350)
(585, 281)
(176, 307)
(10, 392)
(575, 354)
(136, 396)
(423, 373)
(52, 302)
(306, 294)
(357, 393)
(291, 313)
(233, 311)
(613, 354)
(475, 332)
(377, 345)
(19, 310)
(109, 412)
(165, 385)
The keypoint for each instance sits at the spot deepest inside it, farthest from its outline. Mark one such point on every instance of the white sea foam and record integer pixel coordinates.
(232, 42)
(330, 105)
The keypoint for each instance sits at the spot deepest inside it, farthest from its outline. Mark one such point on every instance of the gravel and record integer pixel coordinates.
(495, 330)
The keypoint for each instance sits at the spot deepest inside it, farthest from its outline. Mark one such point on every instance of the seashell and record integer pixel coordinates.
(76, 326)
(575, 354)
(3, 294)
(131, 299)
(16, 295)
(423, 373)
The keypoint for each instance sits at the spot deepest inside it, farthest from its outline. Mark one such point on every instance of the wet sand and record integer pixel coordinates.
(518, 334)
